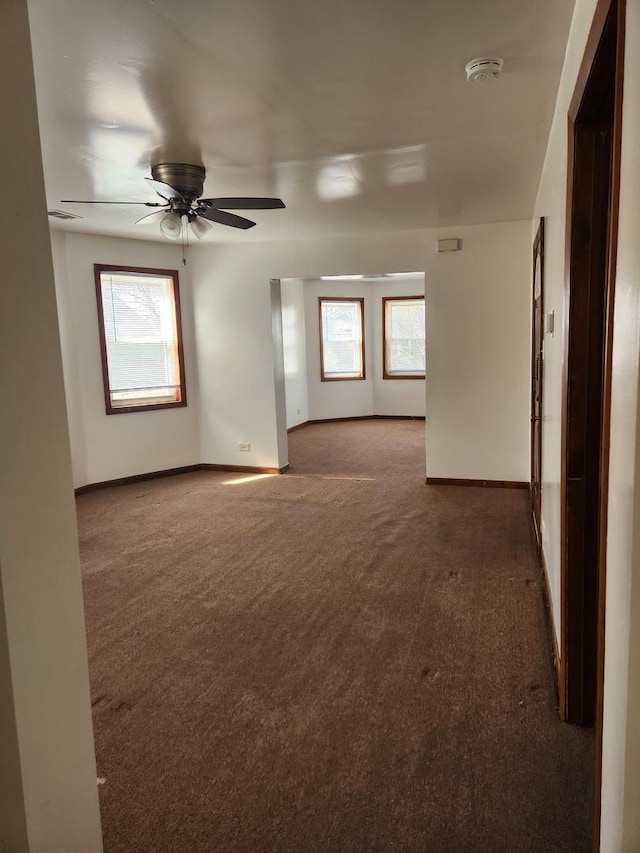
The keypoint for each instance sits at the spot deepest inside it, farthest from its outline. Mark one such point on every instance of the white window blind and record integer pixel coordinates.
(141, 339)
(342, 339)
(405, 337)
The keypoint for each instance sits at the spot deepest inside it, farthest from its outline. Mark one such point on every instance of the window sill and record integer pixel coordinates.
(342, 378)
(404, 376)
(145, 407)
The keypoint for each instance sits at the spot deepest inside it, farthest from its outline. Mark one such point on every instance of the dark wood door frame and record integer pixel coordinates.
(537, 377)
(594, 131)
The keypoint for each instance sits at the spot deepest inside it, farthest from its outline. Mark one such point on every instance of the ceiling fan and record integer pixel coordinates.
(180, 185)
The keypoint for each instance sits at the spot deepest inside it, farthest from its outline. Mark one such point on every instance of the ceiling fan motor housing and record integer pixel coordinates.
(187, 179)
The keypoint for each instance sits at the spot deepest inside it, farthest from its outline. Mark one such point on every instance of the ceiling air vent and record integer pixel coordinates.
(61, 214)
(484, 68)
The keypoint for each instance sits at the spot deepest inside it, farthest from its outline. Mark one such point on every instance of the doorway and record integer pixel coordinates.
(592, 209)
(350, 343)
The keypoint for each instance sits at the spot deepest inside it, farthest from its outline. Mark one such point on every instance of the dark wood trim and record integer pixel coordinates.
(243, 469)
(598, 23)
(360, 300)
(170, 472)
(399, 417)
(338, 420)
(385, 372)
(151, 407)
(367, 418)
(580, 483)
(489, 484)
(298, 426)
(136, 478)
(606, 400)
(587, 96)
(110, 409)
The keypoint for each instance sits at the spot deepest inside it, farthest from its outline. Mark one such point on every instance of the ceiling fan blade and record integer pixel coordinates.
(243, 203)
(149, 216)
(225, 218)
(83, 201)
(164, 190)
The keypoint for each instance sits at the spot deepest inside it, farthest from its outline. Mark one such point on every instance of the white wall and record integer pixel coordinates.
(477, 332)
(551, 203)
(105, 447)
(477, 351)
(394, 396)
(235, 352)
(620, 830)
(279, 401)
(337, 399)
(477, 393)
(478, 357)
(295, 351)
(621, 736)
(373, 395)
(48, 793)
(71, 359)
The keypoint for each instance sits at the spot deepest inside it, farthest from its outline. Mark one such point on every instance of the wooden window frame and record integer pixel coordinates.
(98, 269)
(360, 301)
(385, 372)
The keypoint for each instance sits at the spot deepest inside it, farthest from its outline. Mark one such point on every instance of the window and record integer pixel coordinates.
(403, 337)
(341, 338)
(140, 338)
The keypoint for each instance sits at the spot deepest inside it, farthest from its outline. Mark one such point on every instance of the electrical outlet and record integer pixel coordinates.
(244, 445)
(298, 411)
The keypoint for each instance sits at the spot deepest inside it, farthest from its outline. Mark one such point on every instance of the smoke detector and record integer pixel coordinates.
(484, 68)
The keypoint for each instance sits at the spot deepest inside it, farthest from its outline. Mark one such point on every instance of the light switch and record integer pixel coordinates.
(549, 322)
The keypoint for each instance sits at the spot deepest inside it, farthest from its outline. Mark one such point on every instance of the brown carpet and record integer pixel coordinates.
(338, 659)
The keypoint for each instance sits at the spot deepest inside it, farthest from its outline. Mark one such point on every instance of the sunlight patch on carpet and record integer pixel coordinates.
(239, 481)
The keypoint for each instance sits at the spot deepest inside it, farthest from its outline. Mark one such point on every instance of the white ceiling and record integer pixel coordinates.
(356, 112)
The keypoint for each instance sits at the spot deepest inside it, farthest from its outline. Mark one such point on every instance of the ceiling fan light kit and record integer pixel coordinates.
(484, 68)
(181, 186)
(171, 225)
(199, 226)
